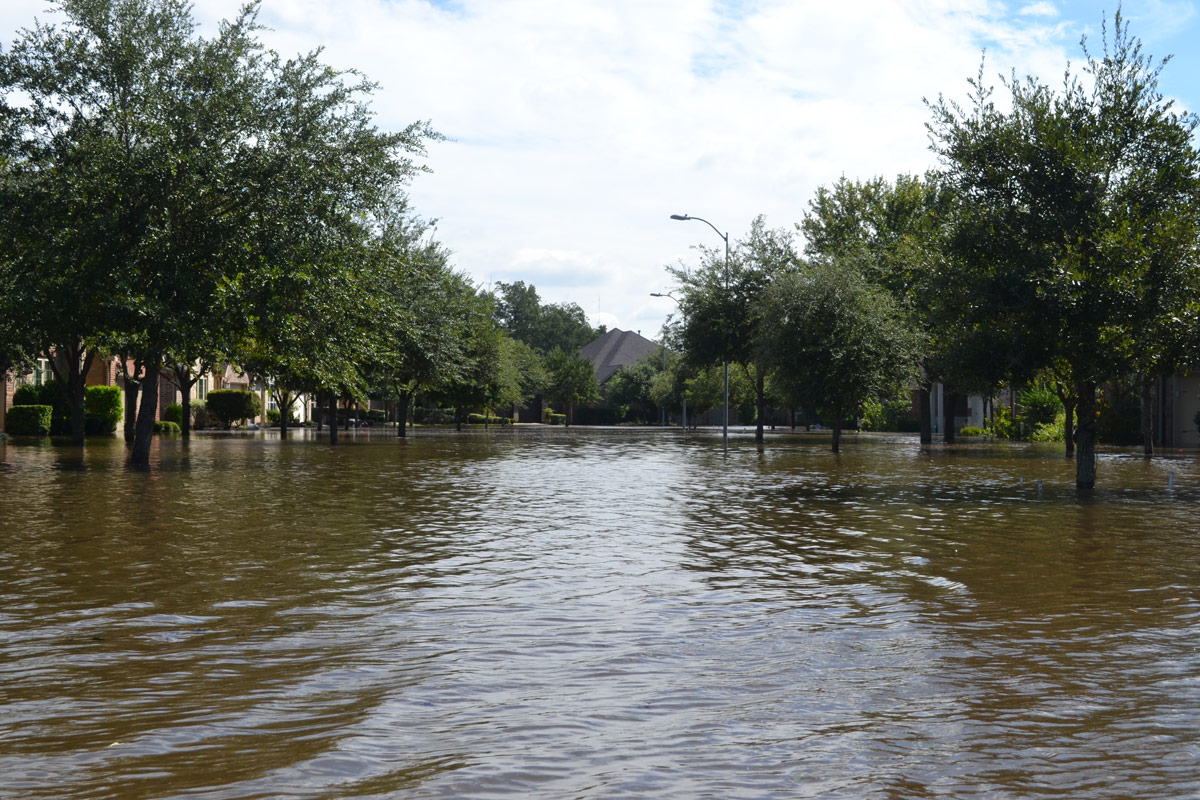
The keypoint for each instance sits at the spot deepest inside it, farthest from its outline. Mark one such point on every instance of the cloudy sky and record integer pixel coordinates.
(577, 127)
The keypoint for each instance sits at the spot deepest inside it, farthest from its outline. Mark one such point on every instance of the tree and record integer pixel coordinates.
(836, 340)
(1075, 232)
(160, 181)
(631, 388)
(572, 381)
(521, 313)
(891, 229)
(721, 304)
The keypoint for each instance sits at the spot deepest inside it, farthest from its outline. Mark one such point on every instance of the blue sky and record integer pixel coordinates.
(577, 128)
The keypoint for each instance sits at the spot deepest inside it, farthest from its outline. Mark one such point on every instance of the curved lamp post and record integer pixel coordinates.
(725, 236)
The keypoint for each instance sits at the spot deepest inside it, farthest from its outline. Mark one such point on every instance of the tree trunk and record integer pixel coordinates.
(333, 420)
(1069, 427)
(837, 430)
(1085, 456)
(1147, 416)
(926, 426)
(402, 413)
(77, 360)
(185, 380)
(283, 400)
(132, 385)
(947, 417)
(761, 401)
(147, 411)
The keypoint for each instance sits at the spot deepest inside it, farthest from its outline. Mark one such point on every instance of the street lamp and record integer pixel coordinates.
(725, 236)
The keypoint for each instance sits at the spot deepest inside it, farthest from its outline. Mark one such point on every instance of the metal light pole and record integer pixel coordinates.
(725, 236)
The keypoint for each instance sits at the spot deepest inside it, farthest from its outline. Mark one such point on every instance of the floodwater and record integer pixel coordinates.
(595, 614)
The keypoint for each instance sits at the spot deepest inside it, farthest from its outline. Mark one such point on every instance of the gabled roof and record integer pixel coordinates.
(616, 349)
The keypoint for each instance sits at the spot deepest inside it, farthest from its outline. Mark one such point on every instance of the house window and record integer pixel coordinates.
(41, 373)
(202, 388)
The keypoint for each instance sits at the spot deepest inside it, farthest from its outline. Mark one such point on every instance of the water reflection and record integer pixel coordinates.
(593, 614)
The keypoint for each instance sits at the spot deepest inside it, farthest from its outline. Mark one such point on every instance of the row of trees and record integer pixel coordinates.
(1056, 243)
(179, 202)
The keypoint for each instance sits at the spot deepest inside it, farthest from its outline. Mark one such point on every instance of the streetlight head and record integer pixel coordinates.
(680, 216)
(657, 294)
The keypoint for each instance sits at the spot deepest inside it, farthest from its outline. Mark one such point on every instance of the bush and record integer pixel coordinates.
(167, 427)
(50, 394)
(1001, 425)
(27, 395)
(1039, 406)
(273, 416)
(28, 420)
(173, 413)
(970, 430)
(228, 406)
(200, 415)
(555, 419)
(893, 415)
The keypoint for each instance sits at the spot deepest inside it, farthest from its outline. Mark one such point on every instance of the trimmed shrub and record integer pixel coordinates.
(101, 409)
(971, 430)
(27, 395)
(174, 413)
(28, 420)
(200, 415)
(555, 419)
(228, 406)
(50, 394)
(273, 416)
(167, 427)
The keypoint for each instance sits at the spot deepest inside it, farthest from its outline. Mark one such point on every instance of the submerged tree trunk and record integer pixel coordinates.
(1085, 456)
(947, 417)
(333, 420)
(402, 413)
(283, 399)
(1148, 415)
(147, 412)
(1069, 428)
(761, 403)
(76, 359)
(837, 430)
(132, 385)
(923, 410)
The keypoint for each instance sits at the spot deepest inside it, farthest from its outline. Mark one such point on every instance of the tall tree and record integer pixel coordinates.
(837, 340)
(176, 176)
(890, 229)
(721, 304)
(1079, 212)
(572, 381)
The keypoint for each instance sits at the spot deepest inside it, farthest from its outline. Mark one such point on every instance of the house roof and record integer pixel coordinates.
(616, 349)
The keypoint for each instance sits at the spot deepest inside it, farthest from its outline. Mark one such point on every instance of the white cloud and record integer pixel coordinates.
(578, 128)
(1039, 10)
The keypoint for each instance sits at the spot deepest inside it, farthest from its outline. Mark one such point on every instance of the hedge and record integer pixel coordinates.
(173, 413)
(230, 405)
(101, 409)
(166, 426)
(50, 394)
(29, 420)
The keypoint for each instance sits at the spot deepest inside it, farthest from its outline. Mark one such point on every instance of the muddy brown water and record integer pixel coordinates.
(595, 614)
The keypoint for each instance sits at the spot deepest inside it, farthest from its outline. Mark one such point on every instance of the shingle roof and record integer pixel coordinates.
(614, 350)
